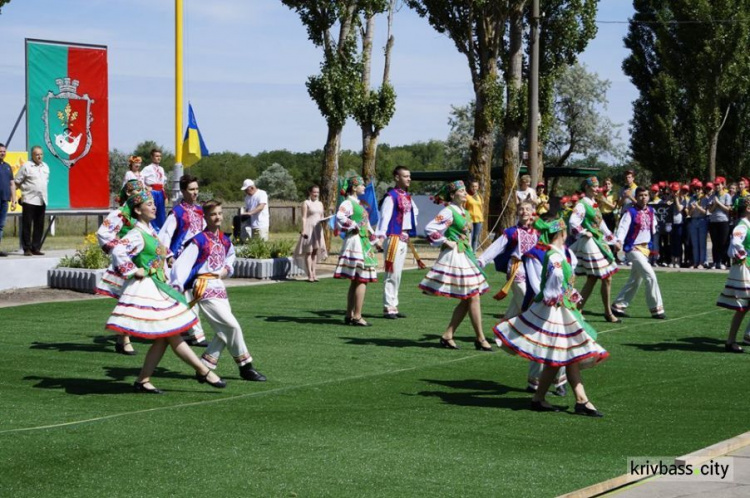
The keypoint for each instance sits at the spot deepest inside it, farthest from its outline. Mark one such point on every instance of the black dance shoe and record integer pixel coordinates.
(140, 387)
(537, 406)
(617, 312)
(447, 345)
(247, 372)
(191, 341)
(560, 391)
(120, 348)
(582, 409)
(733, 348)
(359, 322)
(203, 379)
(479, 347)
(390, 316)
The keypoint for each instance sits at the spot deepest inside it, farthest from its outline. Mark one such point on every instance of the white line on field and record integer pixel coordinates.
(240, 396)
(291, 388)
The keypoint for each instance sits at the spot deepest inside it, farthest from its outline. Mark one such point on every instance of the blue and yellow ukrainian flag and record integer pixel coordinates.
(193, 147)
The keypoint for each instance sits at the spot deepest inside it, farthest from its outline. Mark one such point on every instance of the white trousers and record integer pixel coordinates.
(197, 331)
(393, 279)
(640, 271)
(218, 312)
(515, 304)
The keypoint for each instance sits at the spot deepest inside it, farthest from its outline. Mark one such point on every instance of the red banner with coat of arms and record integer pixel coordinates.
(67, 105)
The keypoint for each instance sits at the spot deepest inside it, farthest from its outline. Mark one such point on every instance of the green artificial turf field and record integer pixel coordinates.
(351, 411)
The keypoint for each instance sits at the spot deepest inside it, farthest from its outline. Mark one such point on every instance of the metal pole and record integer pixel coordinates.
(15, 126)
(534, 96)
(178, 97)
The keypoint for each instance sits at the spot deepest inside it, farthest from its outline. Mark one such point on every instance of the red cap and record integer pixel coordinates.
(655, 187)
(540, 184)
(696, 183)
(564, 199)
(744, 179)
(709, 185)
(685, 187)
(574, 197)
(662, 184)
(720, 179)
(674, 186)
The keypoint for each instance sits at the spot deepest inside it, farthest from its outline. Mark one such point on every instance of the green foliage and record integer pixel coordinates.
(689, 74)
(278, 183)
(144, 149)
(118, 166)
(259, 249)
(3, 2)
(578, 127)
(89, 256)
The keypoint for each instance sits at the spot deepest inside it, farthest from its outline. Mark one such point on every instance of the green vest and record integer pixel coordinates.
(359, 215)
(591, 222)
(152, 259)
(460, 233)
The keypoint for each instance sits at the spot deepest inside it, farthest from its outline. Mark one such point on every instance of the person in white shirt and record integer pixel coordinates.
(134, 170)
(33, 178)
(635, 233)
(525, 192)
(256, 206)
(154, 178)
(398, 222)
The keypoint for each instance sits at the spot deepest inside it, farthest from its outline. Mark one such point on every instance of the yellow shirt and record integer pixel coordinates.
(540, 208)
(475, 207)
(611, 199)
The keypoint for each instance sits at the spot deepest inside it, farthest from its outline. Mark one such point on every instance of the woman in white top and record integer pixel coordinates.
(134, 170)
(311, 245)
(525, 192)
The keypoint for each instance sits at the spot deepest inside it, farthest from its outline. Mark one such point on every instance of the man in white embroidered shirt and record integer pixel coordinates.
(32, 179)
(635, 232)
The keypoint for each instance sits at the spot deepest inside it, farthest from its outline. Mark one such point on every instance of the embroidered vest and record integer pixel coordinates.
(401, 206)
(189, 222)
(640, 219)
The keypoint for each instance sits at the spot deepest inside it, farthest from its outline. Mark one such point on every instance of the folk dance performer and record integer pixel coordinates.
(198, 272)
(635, 233)
(532, 263)
(552, 331)
(398, 222)
(357, 261)
(506, 251)
(736, 293)
(456, 273)
(184, 222)
(592, 239)
(115, 226)
(154, 178)
(148, 307)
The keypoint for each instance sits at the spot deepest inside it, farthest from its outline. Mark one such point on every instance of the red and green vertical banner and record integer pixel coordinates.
(67, 114)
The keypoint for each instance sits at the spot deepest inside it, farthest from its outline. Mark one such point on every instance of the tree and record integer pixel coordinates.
(143, 150)
(477, 28)
(690, 61)
(118, 166)
(279, 184)
(374, 109)
(335, 88)
(3, 2)
(578, 127)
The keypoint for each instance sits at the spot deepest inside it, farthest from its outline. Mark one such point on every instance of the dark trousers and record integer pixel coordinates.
(676, 238)
(32, 226)
(237, 222)
(719, 231)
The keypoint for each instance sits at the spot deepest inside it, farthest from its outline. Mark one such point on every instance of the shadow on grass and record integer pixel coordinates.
(113, 385)
(325, 317)
(701, 344)
(100, 344)
(481, 393)
(429, 341)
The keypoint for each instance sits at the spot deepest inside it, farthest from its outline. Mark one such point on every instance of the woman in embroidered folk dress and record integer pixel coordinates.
(595, 259)
(357, 261)
(115, 226)
(456, 272)
(311, 246)
(148, 307)
(736, 293)
(552, 331)
(134, 169)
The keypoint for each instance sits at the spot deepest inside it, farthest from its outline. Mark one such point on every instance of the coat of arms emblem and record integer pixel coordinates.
(67, 121)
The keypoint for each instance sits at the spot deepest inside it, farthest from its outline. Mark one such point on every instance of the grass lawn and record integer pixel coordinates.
(349, 411)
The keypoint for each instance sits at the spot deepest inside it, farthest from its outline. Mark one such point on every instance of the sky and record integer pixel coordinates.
(246, 63)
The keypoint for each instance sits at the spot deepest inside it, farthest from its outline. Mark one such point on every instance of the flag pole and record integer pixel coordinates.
(178, 98)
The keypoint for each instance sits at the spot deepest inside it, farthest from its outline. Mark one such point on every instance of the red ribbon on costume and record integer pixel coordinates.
(157, 186)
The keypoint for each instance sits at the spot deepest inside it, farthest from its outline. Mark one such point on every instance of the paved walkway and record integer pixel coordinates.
(661, 488)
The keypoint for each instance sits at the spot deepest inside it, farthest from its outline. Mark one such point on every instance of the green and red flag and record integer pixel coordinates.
(67, 105)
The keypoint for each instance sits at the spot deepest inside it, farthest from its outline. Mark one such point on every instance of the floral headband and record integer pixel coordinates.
(352, 181)
(130, 188)
(443, 195)
(591, 181)
(139, 198)
(548, 228)
(135, 159)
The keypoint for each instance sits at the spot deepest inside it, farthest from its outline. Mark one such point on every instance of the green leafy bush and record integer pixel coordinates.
(259, 249)
(89, 256)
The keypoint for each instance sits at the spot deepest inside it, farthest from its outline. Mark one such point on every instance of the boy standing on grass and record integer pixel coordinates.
(635, 233)
(205, 260)
(184, 222)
